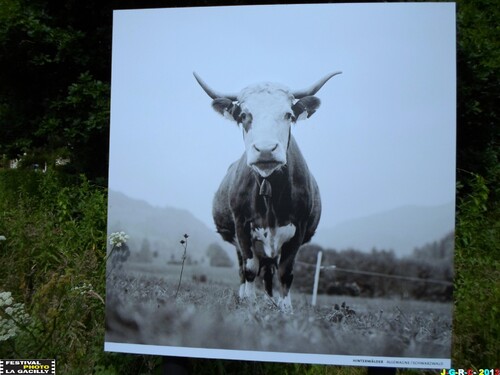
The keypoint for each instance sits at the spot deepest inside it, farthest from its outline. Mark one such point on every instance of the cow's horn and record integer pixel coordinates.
(314, 88)
(213, 94)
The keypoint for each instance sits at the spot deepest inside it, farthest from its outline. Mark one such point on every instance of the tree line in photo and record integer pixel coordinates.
(426, 274)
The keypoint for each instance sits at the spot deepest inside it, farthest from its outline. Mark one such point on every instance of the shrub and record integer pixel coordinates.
(53, 264)
(477, 280)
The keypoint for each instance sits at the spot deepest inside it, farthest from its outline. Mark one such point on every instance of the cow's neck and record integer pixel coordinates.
(269, 193)
(264, 201)
(265, 189)
(273, 184)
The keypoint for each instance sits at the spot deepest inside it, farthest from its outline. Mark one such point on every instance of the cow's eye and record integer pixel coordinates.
(246, 121)
(289, 117)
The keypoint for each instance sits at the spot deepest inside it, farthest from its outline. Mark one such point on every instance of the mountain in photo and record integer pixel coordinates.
(401, 229)
(160, 229)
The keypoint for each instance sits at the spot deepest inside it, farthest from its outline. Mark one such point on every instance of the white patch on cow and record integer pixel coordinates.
(263, 235)
(252, 264)
(282, 235)
(273, 238)
(260, 234)
(285, 303)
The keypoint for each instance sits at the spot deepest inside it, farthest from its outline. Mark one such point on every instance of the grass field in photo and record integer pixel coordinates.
(142, 309)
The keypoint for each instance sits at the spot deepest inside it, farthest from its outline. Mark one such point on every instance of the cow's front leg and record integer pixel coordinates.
(249, 260)
(241, 272)
(286, 279)
(285, 271)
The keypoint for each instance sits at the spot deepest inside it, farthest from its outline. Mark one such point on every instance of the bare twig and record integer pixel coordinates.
(271, 299)
(184, 244)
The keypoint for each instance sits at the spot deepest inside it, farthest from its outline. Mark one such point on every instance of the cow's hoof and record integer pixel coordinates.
(247, 293)
(250, 293)
(241, 292)
(285, 304)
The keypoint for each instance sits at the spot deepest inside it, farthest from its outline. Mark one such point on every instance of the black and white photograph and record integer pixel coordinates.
(282, 183)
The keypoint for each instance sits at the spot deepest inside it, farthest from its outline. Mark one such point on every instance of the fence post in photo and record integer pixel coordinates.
(316, 278)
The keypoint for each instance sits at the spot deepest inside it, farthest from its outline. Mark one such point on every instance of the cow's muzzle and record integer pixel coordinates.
(266, 168)
(266, 158)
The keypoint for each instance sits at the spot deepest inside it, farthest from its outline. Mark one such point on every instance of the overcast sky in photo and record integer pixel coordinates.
(383, 138)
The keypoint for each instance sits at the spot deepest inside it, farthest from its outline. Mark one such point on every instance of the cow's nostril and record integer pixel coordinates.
(265, 148)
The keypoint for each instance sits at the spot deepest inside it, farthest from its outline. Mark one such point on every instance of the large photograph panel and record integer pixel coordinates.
(307, 134)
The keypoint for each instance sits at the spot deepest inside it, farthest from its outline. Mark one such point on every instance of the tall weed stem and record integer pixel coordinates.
(184, 244)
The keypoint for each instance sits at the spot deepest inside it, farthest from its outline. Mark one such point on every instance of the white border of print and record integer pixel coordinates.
(322, 359)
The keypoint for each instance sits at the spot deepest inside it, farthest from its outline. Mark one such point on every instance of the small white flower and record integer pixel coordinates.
(14, 312)
(5, 295)
(2, 238)
(7, 329)
(118, 239)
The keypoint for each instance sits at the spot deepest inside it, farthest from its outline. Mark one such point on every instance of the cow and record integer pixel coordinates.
(268, 204)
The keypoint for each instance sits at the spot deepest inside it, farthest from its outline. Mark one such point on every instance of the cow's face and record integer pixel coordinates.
(266, 113)
(265, 118)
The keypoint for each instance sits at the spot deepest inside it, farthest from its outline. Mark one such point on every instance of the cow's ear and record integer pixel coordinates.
(226, 108)
(305, 107)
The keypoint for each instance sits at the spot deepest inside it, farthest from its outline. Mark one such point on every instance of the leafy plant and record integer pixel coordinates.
(477, 280)
(53, 263)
